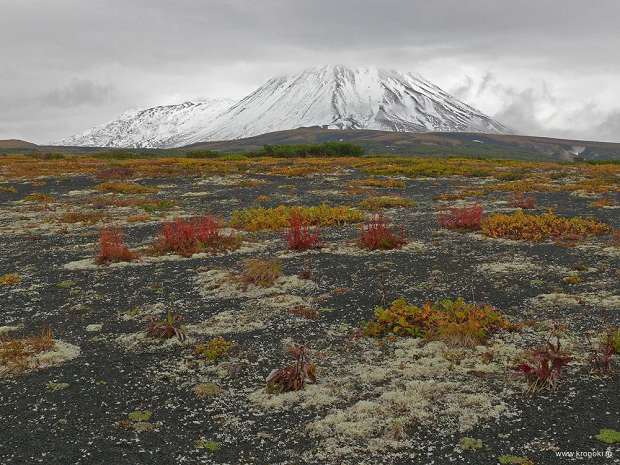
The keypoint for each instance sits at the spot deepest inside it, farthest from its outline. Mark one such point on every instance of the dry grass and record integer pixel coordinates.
(81, 217)
(10, 279)
(16, 355)
(258, 272)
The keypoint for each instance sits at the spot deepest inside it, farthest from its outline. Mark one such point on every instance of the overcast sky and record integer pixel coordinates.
(544, 67)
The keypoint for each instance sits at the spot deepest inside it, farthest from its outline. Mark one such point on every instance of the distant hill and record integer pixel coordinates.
(430, 144)
(16, 144)
(438, 144)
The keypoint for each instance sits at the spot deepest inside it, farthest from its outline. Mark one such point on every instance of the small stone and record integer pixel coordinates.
(207, 390)
(94, 328)
(51, 386)
(142, 426)
(140, 415)
(608, 436)
(470, 443)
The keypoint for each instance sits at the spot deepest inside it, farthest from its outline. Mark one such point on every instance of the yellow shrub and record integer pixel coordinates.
(257, 219)
(521, 226)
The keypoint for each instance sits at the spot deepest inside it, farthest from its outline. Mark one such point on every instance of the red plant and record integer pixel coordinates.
(299, 236)
(377, 235)
(303, 311)
(602, 357)
(468, 217)
(112, 248)
(166, 328)
(543, 367)
(186, 237)
(615, 237)
(520, 200)
(292, 377)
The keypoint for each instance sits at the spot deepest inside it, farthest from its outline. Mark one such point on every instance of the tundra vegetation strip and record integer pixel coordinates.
(309, 310)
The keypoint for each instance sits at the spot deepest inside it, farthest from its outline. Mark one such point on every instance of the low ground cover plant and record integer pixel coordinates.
(542, 367)
(453, 321)
(259, 272)
(38, 197)
(523, 226)
(186, 237)
(214, 349)
(73, 217)
(294, 376)
(115, 172)
(389, 183)
(464, 218)
(303, 311)
(376, 234)
(522, 200)
(10, 279)
(112, 248)
(166, 328)
(602, 356)
(385, 201)
(16, 354)
(327, 149)
(300, 236)
(125, 188)
(257, 219)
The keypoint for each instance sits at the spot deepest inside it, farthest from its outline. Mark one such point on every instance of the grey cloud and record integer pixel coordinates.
(118, 54)
(78, 92)
(609, 129)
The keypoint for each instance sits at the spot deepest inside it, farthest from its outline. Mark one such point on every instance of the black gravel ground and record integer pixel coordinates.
(80, 424)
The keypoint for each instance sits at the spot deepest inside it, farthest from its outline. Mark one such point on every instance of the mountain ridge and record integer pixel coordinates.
(336, 97)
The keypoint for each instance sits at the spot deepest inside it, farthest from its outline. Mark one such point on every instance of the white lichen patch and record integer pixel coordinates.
(604, 300)
(77, 193)
(367, 400)
(196, 194)
(230, 180)
(9, 329)
(354, 250)
(220, 284)
(609, 251)
(516, 264)
(60, 353)
(229, 321)
(140, 342)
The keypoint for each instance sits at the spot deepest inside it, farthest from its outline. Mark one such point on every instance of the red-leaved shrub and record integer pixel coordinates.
(292, 377)
(543, 367)
(468, 217)
(112, 247)
(299, 235)
(377, 235)
(187, 237)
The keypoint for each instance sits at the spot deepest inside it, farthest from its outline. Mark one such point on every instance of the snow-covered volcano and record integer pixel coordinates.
(329, 96)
